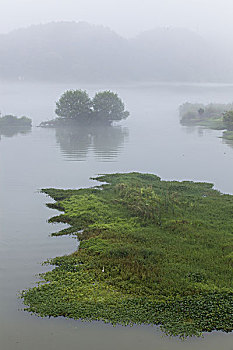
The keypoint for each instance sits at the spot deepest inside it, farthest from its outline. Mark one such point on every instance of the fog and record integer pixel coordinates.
(211, 18)
(82, 52)
(150, 140)
(156, 55)
(91, 41)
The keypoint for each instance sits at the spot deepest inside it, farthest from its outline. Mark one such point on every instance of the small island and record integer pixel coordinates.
(213, 116)
(11, 125)
(13, 121)
(151, 252)
(76, 108)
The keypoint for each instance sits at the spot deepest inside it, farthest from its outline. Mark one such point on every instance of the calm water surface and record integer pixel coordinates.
(151, 140)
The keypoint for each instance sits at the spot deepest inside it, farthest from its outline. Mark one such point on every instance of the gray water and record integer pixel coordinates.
(151, 140)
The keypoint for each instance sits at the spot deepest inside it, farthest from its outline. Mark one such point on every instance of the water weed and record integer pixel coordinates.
(151, 252)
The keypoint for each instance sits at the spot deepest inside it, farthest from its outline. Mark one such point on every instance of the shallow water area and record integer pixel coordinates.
(151, 140)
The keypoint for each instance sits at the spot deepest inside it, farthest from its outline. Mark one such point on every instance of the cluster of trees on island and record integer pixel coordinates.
(76, 106)
(11, 125)
(214, 116)
(10, 120)
(73, 109)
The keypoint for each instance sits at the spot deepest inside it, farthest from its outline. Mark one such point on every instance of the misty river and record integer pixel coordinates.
(150, 140)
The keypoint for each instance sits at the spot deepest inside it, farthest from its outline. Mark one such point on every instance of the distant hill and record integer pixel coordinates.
(70, 51)
(176, 54)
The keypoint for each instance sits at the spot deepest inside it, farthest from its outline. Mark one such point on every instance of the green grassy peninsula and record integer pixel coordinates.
(151, 252)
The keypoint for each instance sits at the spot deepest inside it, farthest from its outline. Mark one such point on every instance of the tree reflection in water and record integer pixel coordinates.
(228, 142)
(8, 131)
(105, 142)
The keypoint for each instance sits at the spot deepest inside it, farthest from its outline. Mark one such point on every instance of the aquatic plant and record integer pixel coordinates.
(151, 252)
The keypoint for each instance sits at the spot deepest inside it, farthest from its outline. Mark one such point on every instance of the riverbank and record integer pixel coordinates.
(209, 116)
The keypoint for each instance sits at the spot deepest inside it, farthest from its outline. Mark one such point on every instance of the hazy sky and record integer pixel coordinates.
(126, 17)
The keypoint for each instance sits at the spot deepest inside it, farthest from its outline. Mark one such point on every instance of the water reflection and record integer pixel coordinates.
(105, 142)
(8, 131)
(193, 129)
(156, 145)
(227, 142)
(204, 131)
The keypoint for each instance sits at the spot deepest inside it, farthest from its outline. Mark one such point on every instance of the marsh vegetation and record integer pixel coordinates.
(151, 252)
(213, 116)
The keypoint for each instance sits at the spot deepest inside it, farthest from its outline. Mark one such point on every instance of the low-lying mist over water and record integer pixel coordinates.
(109, 87)
(82, 52)
(150, 140)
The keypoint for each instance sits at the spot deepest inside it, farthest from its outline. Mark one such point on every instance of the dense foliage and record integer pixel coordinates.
(151, 252)
(13, 121)
(105, 107)
(108, 106)
(11, 125)
(228, 120)
(74, 104)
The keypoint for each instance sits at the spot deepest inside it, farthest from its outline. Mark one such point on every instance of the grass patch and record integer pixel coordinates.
(151, 252)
